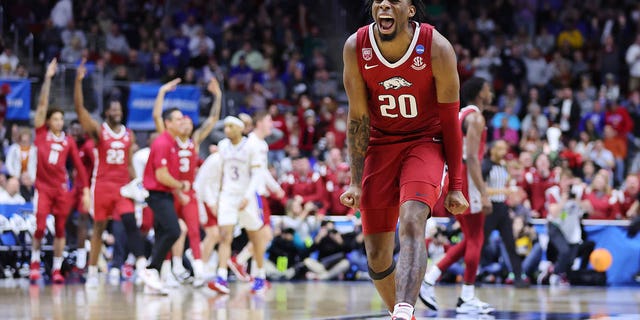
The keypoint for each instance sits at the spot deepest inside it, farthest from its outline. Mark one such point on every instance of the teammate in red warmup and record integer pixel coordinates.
(112, 170)
(54, 149)
(188, 149)
(477, 93)
(403, 88)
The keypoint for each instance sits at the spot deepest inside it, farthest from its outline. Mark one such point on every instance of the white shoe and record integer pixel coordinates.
(150, 278)
(114, 276)
(428, 296)
(93, 281)
(199, 282)
(170, 281)
(474, 306)
(182, 276)
(155, 292)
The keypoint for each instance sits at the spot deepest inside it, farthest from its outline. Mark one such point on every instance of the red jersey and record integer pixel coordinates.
(163, 154)
(402, 95)
(112, 156)
(53, 153)
(464, 112)
(87, 154)
(188, 159)
(280, 123)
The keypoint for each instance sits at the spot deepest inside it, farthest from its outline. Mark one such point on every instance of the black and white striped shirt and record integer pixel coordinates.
(495, 176)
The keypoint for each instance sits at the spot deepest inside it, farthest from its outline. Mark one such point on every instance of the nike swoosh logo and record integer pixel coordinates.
(367, 67)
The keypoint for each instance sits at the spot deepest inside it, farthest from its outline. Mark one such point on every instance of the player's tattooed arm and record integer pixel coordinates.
(358, 139)
(86, 121)
(157, 105)
(43, 101)
(214, 114)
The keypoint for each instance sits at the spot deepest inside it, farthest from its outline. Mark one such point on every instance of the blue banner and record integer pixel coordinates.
(18, 99)
(142, 97)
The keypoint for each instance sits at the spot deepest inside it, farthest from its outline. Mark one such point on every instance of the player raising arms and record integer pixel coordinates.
(403, 89)
(51, 195)
(189, 144)
(112, 170)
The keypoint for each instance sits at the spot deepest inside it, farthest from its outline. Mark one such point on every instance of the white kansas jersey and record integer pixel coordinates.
(237, 164)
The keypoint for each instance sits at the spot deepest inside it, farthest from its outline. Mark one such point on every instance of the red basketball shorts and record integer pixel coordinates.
(189, 210)
(212, 220)
(49, 201)
(107, 202)
(394, 174)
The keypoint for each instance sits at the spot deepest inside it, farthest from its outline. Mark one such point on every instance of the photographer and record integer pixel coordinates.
(331, 262)
(565, 234)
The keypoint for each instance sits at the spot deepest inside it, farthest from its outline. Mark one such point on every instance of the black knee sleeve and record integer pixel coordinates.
(381, 275)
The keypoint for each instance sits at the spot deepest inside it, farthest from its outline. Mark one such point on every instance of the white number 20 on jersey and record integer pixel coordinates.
(406, 103)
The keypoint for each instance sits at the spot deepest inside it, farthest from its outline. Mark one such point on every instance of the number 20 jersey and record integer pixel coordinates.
(401, 95)
(112, 156)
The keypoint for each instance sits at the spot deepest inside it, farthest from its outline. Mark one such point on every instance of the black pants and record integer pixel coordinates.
(165, 225)
(501, 221)
(567, 252)
(128, 239)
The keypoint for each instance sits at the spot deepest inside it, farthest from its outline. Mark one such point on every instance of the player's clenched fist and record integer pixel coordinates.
(351, 197)
(455, 202)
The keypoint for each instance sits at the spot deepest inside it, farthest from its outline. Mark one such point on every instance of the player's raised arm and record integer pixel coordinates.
(448, 94)
(43, 101)
(157, 105)
(89, 124)
(214, 114)
(358, 126)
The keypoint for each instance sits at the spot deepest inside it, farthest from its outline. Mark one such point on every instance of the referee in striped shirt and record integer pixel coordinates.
(496, 177)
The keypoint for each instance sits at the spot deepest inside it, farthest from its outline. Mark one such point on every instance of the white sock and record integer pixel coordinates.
(57, 263)
(93, 271)
(81, 260)
(403, 311)
(178, 267)
(468, 292)
(254, 268)
(131, 259)
(243, 256)
(223, 273)
(198, 268)
(141, 263)
(432, 276)
(262, 273)
(35, 255)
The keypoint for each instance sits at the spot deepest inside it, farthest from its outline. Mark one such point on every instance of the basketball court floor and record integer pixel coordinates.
(303, 300)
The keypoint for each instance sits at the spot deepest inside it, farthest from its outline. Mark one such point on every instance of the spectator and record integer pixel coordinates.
(254, 58)
(116, 42)
(8, 62)
(610, 59)
(62, 13)
(73, 52)
(283, 248)
(242, 74)
(11, 192)
(323, 85)
(633, 60)
(594, 119)
(276, 148)
(510, 99)
(273, 83)
(71, 32)
(538, 73)
(537, 181)
(602, 203)
(629, 195)
(545, 41)
(535, 119)
(571, 35)
(180, 46)
(618, 148)
(506, 133)
(190, 27)
(602, 157)
(22, 157)
(5, 89)
(201, 43)
(509, 115)
(619, 120)
(336, 186)
(610, 88)
(565, 112)
(307, 184)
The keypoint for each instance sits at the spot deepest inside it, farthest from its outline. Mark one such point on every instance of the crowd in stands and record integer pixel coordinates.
(566, 77)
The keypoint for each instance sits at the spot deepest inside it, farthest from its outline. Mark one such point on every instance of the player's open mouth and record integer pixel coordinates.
(386, 23)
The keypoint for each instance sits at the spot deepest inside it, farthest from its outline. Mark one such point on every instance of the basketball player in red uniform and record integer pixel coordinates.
(54, 149)
(112, 170)
(403, 88)
(476, 92)
(188, 149)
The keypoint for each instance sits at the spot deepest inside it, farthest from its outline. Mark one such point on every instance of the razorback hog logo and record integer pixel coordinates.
(395, 83)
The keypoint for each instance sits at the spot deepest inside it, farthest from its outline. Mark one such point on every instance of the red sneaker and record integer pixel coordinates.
(238, 269)
(57, 277)
(34, 271)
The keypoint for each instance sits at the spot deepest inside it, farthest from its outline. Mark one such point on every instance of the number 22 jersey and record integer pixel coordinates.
(401, 95)
(112, 156)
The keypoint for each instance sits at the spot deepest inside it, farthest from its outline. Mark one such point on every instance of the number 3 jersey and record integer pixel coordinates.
(112, 156)
(53, 152)
(187, 159)
(402, 94)
(238, 162)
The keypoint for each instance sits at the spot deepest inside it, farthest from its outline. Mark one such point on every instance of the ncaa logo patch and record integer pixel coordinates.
(420, 49)
(367, 54)
(418, 64)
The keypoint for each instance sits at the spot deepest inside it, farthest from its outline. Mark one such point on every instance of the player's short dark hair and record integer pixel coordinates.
(52, 111)
(166, 114)
(421, 10)
(471, 89)
(259, 115)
